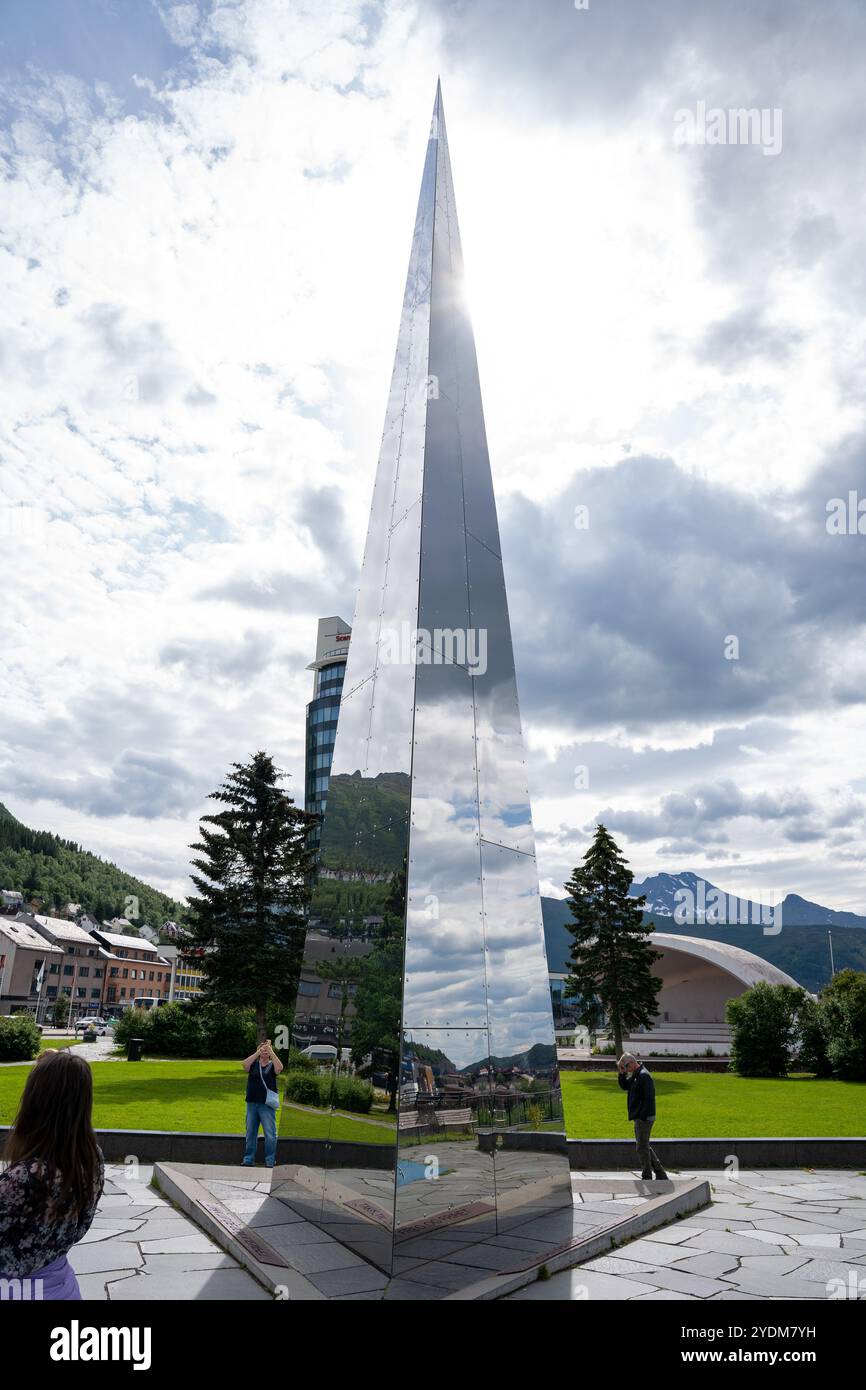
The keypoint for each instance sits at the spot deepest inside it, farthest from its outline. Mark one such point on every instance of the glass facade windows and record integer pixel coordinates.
(330, 679)
(325, 712)
(322, 715)
(321, 738)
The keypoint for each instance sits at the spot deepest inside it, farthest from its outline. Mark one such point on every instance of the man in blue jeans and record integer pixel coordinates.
(262, 1068)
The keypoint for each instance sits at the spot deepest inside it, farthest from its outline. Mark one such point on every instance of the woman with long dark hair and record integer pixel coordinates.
(51, 1188)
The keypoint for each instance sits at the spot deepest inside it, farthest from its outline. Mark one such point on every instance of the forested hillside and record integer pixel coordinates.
(42, 865)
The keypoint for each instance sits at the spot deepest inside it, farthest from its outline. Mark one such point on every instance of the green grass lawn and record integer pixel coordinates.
(716, 1105)
(57, 1043)
(200, 1096)
(208, 1096)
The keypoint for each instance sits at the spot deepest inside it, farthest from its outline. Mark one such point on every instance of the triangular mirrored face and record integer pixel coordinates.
(441, 1130)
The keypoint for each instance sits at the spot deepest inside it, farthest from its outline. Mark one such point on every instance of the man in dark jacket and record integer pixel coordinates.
(634, 1078)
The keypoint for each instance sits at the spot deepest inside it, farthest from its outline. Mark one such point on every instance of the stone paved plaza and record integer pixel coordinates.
(333, 1251)
(140, 1247)
(776, 1234)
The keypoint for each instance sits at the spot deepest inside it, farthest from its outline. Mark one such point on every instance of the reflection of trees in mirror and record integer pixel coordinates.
(364, 822)
(376, 1028)
(343, 972)
(252, 891)
(363, 845)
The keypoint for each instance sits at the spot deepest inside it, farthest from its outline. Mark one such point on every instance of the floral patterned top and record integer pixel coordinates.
(29, 1238)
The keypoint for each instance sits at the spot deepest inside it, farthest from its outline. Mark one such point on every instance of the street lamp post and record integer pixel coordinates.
(832, 966)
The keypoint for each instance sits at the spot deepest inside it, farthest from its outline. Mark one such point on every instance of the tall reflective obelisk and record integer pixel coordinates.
(427, 837)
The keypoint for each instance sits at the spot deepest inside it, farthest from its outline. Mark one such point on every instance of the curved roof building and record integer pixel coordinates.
(698, 979)
(700, 976)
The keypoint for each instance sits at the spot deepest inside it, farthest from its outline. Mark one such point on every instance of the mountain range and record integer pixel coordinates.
(39, 863)
(689, 899)
(801, 948)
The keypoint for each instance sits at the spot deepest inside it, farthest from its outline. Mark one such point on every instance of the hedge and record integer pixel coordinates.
(322, 1090)
(202, 1030)
(19, 1038)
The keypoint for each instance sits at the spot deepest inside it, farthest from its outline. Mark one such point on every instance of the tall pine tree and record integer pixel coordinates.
(378, 998)
(253, 887)
(611, 959)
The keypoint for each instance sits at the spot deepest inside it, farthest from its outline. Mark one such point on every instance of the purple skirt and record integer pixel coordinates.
(58, 1281)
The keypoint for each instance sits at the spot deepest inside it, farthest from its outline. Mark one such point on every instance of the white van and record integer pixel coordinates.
(320, 1052)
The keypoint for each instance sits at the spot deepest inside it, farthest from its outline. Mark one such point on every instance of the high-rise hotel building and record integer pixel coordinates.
(332, 648)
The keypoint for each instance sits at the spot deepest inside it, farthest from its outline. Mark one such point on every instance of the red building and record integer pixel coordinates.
(134, 969)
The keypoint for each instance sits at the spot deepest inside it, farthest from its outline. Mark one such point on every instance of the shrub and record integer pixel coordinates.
(307, 1088)
(349, 1094)
(133, 1023)
(19, 1038)
(534, 1116)
(842, 1011)
(175, 1031)
(766, 1028)
(184, 1030)
(814, 1055)
(226, 1032)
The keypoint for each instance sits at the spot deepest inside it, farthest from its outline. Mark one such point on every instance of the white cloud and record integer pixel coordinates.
(199, 304)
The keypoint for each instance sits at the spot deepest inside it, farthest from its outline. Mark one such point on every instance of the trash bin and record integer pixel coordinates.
(133, 1051)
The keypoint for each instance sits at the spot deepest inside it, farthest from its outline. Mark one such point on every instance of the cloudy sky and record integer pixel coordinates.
(206, 214)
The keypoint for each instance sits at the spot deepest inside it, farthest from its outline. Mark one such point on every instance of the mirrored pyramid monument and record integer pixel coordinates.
(427, 852)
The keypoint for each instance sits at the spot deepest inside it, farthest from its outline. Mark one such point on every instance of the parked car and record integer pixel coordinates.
(97, 1026)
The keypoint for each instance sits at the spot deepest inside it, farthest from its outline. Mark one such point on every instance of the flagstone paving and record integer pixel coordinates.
(141, 1247)
(776, 1234)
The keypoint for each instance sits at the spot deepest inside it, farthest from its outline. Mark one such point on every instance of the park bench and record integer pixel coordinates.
(408, 1119)
(453, 1119)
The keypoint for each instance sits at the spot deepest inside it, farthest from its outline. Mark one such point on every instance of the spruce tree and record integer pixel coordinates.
(378, 998)
(611, 959)
(253, 887)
